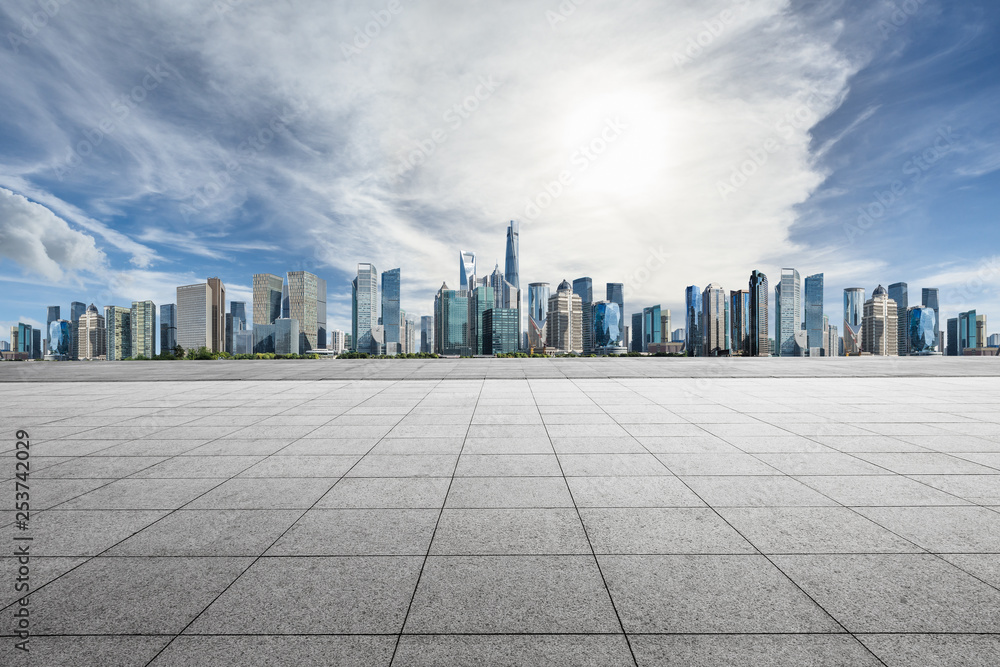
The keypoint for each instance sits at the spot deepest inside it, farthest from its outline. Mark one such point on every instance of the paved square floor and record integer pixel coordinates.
(552, 521)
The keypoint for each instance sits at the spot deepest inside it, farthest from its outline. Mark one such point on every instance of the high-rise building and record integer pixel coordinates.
(53, 316)
(967, 331)
(118, 322)
(760, 343)
(168, 328)
(635, 332)
(665, 324)
(815, 326)
(92, 336)
(467, 270)
(652, 323)
(538, 310)
(195, 312)
(980, 331)
(584, 288)
(854, 313)
(898, 293)
(364, 310)
(500, 326)
(739, 322)
(267, 289)
(411, 336)
(512, 263)
(236, 321)
(929, 298)
(608, 335)
(993, 340)
(922, 325)
(217, 328)
(695, 343)
(243, 341)
(76, 311)
(301, 292)
(451, 322)
(832, 346)
(481, 299)
(564, 323)
(615, 292)
(788, 316)
(880, 334)
(36, 343)
(60, 332)
(287, 336)
(143, 315)
(263, 338)
(427, 334)
(338, 341)
(391, 311)
(715, 320)
(953, 337)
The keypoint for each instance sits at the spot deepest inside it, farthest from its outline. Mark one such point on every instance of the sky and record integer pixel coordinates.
(659, 143)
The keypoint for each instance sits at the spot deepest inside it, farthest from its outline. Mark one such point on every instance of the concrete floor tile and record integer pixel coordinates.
(751, 650)
(508, 465)
(416, 465)
(358, 532)
(142, 494)
(497, 492)
(632, 492)
(114, 651)
(301, 466)
(244, 494)
(216, 532)
(277, 651)
(755, 491)
(477, 532)
(942, 529)
(387, 492)
(879, 491)
(917, 650)
(734, 463)
(514, 650)
(661, 531)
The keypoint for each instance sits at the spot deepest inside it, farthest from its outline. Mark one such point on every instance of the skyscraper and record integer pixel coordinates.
(511, 268)
(118, 321)
(788, 317)
(880, 335)
(267, 289)
(451, 322)
(301, 291)
(981, 331)
(168, 328)
(953, 337)
(815, 329)
(635, 333)
(616, 293)
(929, 298)
(715, 320)
(922, 330)
(739, 322)
(898, 293)
(500, 328)
(427, 334)
(53, 316)
(967, 331)
(217, 328)
(584, 288)
(467, 270)
(143, 315)
(538, 310)
(391, 311)
(76, 311)
(608, 333)
(92, 336)
(481, 299)
(236, 321)
(695, 332)
(36, 343)
(364, 309)
(58, 339)
(652, 323)
(564, 322)
(194, 316)
(665, 324)
(854, 307)
(760, 343)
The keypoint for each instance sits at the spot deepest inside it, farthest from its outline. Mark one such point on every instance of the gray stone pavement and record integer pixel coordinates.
(614, 520)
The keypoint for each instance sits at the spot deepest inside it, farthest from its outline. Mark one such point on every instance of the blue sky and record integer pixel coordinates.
(150, 147)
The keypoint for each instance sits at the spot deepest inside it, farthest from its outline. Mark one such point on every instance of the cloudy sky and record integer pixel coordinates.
(659, 143)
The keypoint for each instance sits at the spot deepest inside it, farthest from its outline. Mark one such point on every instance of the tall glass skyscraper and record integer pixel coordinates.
(922, 330)
(715, 320)
(538, 310)
(608, 333)
(76, 311)
(854, 312)
(815, 330)
(511, 267)
(390, 311)
(143, 329)
(788, 317)
(467, 270)
(168, 328)
(760, 343)
(118, 321)
(53, 316)
(739, 322)
(652, 323)
(451, 322)
(481, 299)
(364, 309)
(898, 293)
(427, 334)
(616, 294)
(500, 330)
(267, 289)
(953, 337)
(584, 288)
(636, 333)
(58, 339)
(967, 331)
(695, 342)
(929, 298)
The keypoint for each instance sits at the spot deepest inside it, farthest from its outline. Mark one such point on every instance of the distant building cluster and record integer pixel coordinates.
(485, 316)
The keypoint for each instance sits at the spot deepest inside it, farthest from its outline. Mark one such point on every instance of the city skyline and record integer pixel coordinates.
(861, 108)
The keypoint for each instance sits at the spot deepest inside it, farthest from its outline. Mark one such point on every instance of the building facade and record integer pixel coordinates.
(854, 313)
(739, 322)
(217, 325)
(364, 310)
(899, 292)
(467, 270)
(815, 326)
(760, 342)
(922, 330)
(608, 334)
(929, 299)
(118, 321)
(451, 322)
(584, 288)
(695, 343)
(427, 334)
(652, 326)
(143, 329)
(715, 320)
(306, 303)
(267, 289)
(564, 322)
(538, 311)
(501, 327)
(92, 335)
(194, 316)
(880, 325)
(788, 313)
(168, 328)
(391, 318)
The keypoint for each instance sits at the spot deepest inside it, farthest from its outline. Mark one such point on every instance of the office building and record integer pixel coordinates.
(4, 346)
(584, 288)
(832, 346)
(338, 341)
(92, 335)
(993, 340)
(922, 330)
(652, 326)
(467, 270)
(898, 292)
(304, 300)
(815, 326)
(953, 337)
(118, 322)
(980, 331)
(695, 343)
(364, 310)
(52, 316)
(678, 336)
(538, 311)
(481, 299)
(243, 341)
(608, 334)
(715, 320)
(412, 336)
(635, 332)
(854, 313)
(760, 344)
(512, 262)
(564, 322)
(788, 314)
(287, 337)
(217, 325)
(60, 333)
(391, 314)
(739, 322)
(168, 328)
(263, 338)
(236, 321)
(451, 322)
(143, 314)
(267, 291)
(880, 336)
(615, 292)
(665, 324)
(427, 334)
(194, 316)
(968, 331)
(929, 299)
(501, 331)
(76, 311)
